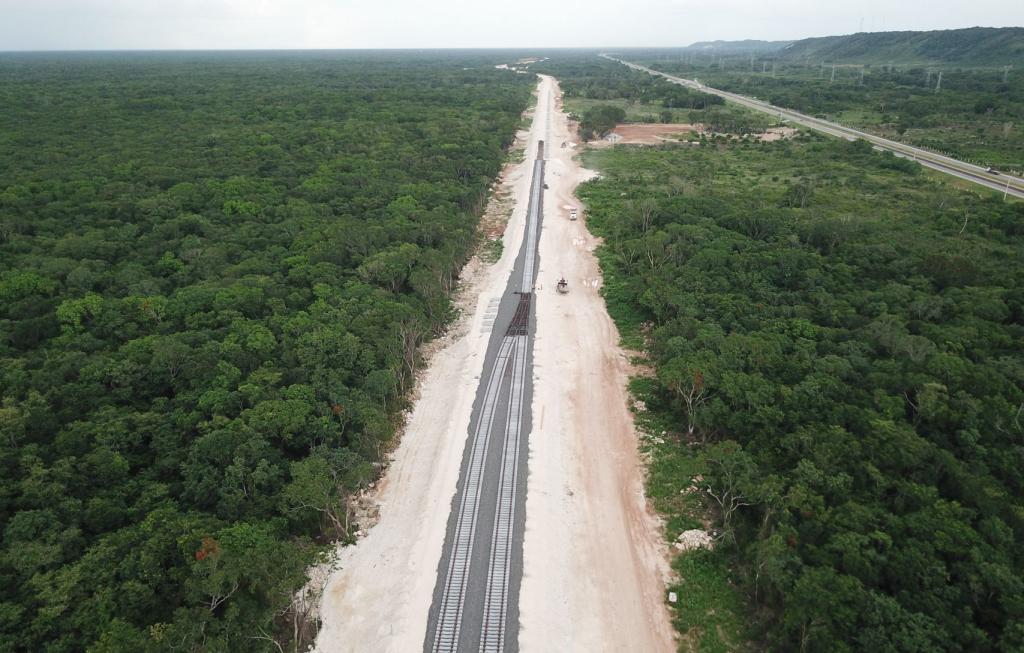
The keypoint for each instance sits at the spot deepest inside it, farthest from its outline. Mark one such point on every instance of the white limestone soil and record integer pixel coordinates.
(594, 560)
(379, 592)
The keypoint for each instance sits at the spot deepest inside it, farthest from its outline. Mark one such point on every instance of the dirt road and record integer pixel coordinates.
(593, 558)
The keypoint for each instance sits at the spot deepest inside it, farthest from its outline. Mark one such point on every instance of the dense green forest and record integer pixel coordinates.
(215, 270)
(975, 114)
(838, 349)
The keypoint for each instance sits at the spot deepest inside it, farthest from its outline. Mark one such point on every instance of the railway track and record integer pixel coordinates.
(446, 635)
(505, 392)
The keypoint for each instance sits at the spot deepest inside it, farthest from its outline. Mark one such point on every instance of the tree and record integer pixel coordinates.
(685, 377)
(315, 487)
(731, 480)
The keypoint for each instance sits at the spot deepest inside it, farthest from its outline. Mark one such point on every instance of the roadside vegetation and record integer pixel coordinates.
(837, 391)
(215, 271)
(974, 114)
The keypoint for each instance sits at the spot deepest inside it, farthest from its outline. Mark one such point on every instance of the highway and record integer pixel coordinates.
(475, 602)
(1004, 183)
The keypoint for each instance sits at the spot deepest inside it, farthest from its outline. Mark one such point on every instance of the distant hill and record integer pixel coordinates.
(973, 46)
(738, 47)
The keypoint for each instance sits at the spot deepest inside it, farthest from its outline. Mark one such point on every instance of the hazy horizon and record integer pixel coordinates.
(154, 25)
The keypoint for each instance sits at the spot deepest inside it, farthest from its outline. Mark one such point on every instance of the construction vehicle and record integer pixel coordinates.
(562, 287)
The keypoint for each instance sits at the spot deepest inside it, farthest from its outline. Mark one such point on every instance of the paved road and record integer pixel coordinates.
(475, 606)
(1004, 183)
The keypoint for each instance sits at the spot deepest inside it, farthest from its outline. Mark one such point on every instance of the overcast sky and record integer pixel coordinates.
(229, 24)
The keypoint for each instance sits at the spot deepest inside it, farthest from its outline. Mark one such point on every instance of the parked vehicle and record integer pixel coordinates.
(562, 287)
(573, 214)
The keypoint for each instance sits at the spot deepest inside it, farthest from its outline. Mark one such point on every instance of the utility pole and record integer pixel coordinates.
(764, 67)
(751, 63)
(862, 75)
(938, 84)
(1006, 73)
(821, 71)
(775, 65)
(833, 74)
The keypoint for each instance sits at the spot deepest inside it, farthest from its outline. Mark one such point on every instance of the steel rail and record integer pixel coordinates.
(449, 619)
(492, 631)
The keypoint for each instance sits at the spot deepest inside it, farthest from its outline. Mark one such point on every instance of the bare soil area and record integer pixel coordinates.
(593, 556)
(776, 134)
(658, 133)
(645, 134)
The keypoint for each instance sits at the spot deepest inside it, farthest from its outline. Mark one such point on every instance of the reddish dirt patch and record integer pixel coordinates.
(648, 133)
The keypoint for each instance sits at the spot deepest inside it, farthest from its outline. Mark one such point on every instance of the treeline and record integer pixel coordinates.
(600, 79)
(597, 78)
(837, 343)
(586, 76)
(215, 271)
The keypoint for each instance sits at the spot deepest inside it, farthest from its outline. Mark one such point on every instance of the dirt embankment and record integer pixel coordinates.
(593, 555)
